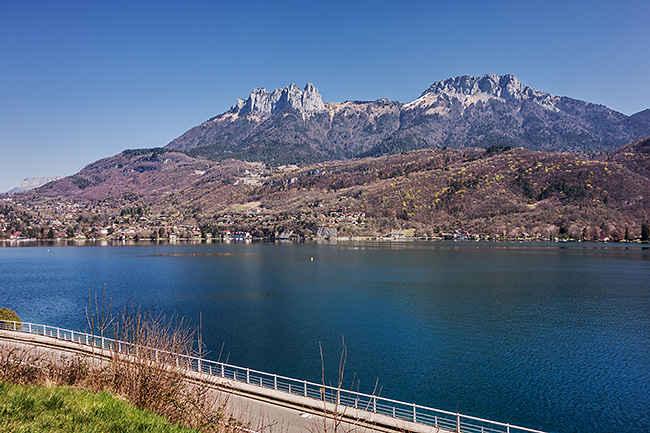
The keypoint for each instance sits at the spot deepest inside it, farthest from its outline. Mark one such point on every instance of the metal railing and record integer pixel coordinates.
(450, 421)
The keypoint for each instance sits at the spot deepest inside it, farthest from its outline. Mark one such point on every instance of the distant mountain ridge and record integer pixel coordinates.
(32, 183)
(291, 125)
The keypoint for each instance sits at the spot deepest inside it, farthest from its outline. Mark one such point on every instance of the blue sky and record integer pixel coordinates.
(82, 80)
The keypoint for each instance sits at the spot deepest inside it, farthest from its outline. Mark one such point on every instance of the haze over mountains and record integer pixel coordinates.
(290, 125)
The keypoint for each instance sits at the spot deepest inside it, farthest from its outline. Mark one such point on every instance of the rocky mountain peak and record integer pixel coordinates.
(489, 85)
(293, 125)
(307, 100)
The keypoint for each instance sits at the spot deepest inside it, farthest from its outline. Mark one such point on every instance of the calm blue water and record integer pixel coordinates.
(552, 337)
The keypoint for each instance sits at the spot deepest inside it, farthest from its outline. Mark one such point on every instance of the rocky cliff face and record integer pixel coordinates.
(290, 125)
(468, 90)
(306, 101)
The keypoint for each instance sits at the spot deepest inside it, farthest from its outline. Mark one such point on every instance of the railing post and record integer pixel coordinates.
(508, 428)
(248, 376)
(275, 381)
(305, 382)
(14, 326)
(58, 333)
(29, 327)
(458, 422)
(223, 372)
(414, 413)
(374, 404)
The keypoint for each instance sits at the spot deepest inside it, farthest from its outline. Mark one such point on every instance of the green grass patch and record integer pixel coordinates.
(60, 409)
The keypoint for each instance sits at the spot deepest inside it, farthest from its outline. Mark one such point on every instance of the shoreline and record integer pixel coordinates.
(9, 243)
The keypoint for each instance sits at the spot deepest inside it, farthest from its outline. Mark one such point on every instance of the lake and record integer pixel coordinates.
(547, 336)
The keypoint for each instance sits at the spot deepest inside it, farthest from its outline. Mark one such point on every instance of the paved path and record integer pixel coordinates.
(267, 409)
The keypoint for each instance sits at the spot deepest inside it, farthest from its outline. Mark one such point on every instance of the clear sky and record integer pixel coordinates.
(82, 80)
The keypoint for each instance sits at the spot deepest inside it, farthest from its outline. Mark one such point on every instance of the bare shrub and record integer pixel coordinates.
(70, 371)
(335, 416)
(148, 368)
(19, 366)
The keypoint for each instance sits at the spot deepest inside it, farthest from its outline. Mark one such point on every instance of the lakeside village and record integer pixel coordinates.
(100, 222)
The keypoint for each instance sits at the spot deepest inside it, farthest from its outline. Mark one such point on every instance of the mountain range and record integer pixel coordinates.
(483, 154)
(294, 126)
(32, 183)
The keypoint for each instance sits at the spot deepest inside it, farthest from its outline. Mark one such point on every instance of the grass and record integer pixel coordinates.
(26, 408)
(151, 380)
